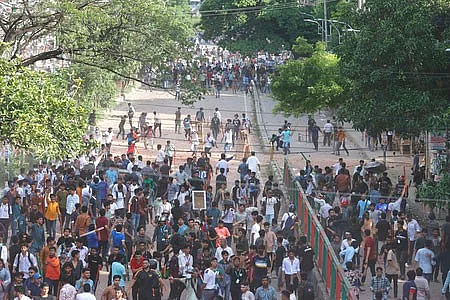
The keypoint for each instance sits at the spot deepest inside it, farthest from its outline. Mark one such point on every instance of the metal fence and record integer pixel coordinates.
(338, 287)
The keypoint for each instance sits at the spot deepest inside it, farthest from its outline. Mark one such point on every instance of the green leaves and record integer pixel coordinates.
(37, 115)
(396, 68)
(307, 85)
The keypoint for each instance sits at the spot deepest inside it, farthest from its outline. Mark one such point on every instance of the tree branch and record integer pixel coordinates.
(42, 56)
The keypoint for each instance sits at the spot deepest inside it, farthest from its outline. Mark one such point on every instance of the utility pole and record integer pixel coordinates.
(325, 25)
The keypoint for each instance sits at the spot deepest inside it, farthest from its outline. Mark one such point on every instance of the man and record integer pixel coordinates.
(315, 136)
(200, 118)
(327, 131)
(238, 275)
(236, 122)
(413, 229)
(253, 162)
(426, 259)
(286, 139)
(85, 293)
(52, 271)
(23, 261)
(370, 258)
(82, 222)
(147, 282)
(401, 240)
(122, 127)
(382, 231)
(67, 292)
(170, 152)
(269, 202)
(209, 143)
(178, 120)
(209, 281)
(85, 279)
(422, 285)
(223, 247)
(222, 164)
(265, 292)
(290, 270)
(131, 112)
(380, 285)
(157, 123)
(110, 292)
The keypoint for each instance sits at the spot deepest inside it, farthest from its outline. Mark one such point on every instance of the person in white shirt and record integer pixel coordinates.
(185, 261)
(160, 155)
(209, 281)
(290, 271)
(324, 211)
(223, 247)
(23, 261)
(413, 229)
(255, 229)
(269, 202)
(222, 163)
(209, 142)
(218, 114)
(361, 165)
(327, 131)
(86, 295)
(119, 192)
(246, 293)
(228, 136)
(108, 139)
(253, 162)
(337, 166)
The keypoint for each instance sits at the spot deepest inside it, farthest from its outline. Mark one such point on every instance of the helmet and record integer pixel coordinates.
(153, 264)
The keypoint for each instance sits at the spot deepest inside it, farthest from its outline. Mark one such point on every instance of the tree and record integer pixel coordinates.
(251, 26)
(305, 86)
(37, 114)
(119, 36)
(302, 48)
(396, 68)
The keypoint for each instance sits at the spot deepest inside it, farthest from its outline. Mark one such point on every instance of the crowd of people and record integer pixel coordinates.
(367, 219)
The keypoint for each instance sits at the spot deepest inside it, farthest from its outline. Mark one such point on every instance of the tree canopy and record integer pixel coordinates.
(37, 113)
(307, 85)
(397, 67)
(251, 26)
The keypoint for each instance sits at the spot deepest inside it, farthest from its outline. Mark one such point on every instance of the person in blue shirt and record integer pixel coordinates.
(286, 138)
(21, 221)
(118, 238)
(111, 175)
(363, 206)
(374, 194)
(37, 235)
(215, 213)
(348, 253)
(382, 205)
(181, 227)
(85, 279)
(16, 207)
(92, 238)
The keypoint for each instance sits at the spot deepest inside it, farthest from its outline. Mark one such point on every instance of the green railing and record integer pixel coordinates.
(338, 287)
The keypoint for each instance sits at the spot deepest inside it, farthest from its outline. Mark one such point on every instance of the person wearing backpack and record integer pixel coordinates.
(23, 261)
(288, 222)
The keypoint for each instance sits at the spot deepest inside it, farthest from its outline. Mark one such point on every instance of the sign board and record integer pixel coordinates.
(199, 200)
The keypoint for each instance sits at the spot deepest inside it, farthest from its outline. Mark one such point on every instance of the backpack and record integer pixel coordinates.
(308, 290)
(288, 224)
(17, 259)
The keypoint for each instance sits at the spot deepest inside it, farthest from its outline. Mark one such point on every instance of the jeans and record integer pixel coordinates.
(51, 228)
(135, 218)
(327, 139)
(370, 264)
(402, 257)
(53, 286)
(286, 146)
(269, 218)
(14, 227)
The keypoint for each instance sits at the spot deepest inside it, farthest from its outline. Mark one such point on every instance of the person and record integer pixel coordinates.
(327, 131)
(85, 279)
(85, 293)
(122, 127)
(178, 120)
(209, 280)
(52, 271)
(401, 240)
(246, 293)
(379, 285)
(157, 123)
(110, 292)
(237, 275)
(426, 259)
(423, 288)
(51, 214)
(348, 253)
(409, 287)
(45, 293)
(315, 136)
(290, 269)
(131, 112)
(370, 258)
(147, 281)
(261, 265)
(445, 287)
(23, 261)
(392, 267)
(413, 229)
(265, 291)
(341, 141)
(253, 162)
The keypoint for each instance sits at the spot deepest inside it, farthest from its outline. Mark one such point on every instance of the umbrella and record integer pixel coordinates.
(375, 167)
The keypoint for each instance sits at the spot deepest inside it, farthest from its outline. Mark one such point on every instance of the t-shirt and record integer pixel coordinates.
(369, 243)
(383, 227)
(261, 265)
(101, 222)
(117, 238)
(255, 232)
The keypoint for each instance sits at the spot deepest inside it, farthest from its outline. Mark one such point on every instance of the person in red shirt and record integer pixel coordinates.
(370, 257)
(136, 265)
(222, 232)
(103, 235)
